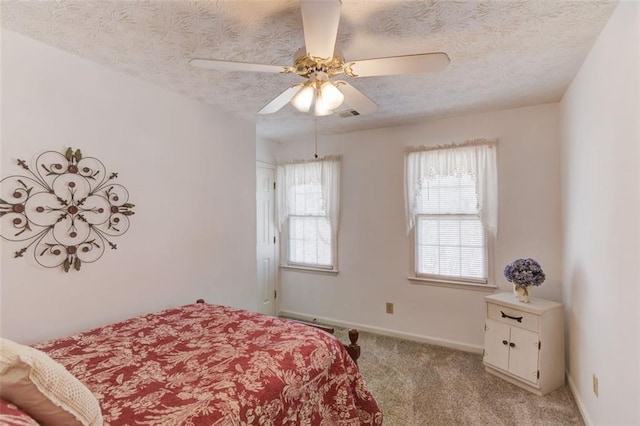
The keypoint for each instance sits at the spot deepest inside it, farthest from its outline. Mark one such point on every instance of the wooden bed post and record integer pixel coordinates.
(353, 348)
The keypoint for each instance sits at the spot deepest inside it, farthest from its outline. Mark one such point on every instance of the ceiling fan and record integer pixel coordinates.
(319, 61)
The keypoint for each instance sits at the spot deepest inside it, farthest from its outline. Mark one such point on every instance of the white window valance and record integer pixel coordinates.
(476, 158)
(324, 173)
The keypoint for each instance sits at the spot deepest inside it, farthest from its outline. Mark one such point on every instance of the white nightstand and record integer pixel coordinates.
(524, 342)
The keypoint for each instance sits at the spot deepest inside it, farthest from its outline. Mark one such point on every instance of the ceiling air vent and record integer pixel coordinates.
(349, 113)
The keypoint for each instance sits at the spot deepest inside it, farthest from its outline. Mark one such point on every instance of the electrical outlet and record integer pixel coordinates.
(595, 385)
(389, 308)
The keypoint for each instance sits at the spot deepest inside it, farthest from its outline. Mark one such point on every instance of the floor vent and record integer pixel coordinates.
(349, 113)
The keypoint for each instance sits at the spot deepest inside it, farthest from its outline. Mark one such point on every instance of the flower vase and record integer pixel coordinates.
(521, 292)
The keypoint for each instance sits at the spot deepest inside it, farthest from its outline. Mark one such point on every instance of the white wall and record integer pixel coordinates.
(373, 246)
(601, 217)
(190, 171)
(265, 150)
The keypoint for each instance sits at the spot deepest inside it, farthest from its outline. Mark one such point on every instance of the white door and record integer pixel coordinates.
(266, 246)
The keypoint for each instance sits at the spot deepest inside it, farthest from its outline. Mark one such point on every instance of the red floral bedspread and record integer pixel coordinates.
(211, 365)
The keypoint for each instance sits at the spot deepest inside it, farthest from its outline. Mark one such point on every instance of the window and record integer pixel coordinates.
(309, 230)
(307, 203)
(450, 194)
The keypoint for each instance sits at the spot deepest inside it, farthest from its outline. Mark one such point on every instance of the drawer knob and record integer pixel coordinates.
(504, 342)
(519, 319)
(513, 345)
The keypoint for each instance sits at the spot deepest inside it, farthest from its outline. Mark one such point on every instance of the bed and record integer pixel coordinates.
(205, 364)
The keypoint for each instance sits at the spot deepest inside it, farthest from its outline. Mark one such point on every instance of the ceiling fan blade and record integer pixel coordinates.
(281, 100)
(408, 64)
(215, 64)
(320, 19)
(356, 99)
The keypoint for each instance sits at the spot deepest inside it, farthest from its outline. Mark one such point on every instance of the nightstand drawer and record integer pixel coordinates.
(512, 317)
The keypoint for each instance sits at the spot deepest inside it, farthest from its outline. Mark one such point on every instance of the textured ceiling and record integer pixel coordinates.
(503, 53)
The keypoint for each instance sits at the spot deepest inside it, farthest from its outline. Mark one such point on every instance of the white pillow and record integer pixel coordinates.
(44, 389)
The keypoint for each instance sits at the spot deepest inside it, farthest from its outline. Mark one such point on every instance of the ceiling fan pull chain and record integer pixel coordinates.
(315, 132)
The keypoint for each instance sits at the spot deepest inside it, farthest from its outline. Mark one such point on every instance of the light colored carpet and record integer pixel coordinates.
(418, 384)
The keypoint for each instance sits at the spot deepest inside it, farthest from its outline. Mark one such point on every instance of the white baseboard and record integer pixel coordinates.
(578, 399)
(386, 332)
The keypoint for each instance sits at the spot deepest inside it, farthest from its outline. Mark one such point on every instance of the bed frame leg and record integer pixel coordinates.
(353, 348)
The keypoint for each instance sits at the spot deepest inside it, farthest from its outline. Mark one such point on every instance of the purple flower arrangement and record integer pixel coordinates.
(524, 272)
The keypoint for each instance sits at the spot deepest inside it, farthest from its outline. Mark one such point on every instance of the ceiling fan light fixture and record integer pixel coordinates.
(321, 108)
(330, 95)
(304, 98)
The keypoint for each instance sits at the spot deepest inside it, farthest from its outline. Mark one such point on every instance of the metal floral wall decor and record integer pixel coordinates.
(66, 210)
